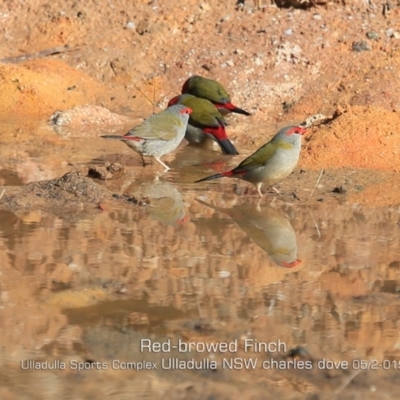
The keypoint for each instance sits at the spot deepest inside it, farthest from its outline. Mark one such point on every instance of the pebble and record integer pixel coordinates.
(317, 16)
(289, 32)
(360, 46)
(204, 6)
(372, 35)
(258, 61)
(392, 33)
(224, 274)
(389, 32)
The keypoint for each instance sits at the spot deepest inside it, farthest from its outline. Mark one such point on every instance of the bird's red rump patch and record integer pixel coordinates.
(229, 173)
(134, 138)
(186, 110)
(296, 130)
(173, 101)
(225, 106)
(218, 132)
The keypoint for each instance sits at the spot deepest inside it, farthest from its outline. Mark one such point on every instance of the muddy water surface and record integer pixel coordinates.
(106, 303)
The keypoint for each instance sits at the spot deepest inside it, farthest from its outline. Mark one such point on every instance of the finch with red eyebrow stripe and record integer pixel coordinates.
(213, 91)
(205, 122)
(271, 163)
(158, 135)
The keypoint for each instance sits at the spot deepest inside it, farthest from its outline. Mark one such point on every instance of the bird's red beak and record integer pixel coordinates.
(302, 130)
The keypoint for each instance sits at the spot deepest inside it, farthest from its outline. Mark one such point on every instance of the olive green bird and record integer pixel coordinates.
(213, 91)
(271, 163)
(205, 123)
(158, 135)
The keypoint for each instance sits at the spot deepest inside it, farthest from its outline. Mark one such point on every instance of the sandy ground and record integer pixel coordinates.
(281, 64)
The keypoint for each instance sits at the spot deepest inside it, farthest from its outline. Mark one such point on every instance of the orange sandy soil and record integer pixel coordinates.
(282, 64)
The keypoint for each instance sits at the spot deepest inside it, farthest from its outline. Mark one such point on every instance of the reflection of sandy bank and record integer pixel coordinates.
(90, 120)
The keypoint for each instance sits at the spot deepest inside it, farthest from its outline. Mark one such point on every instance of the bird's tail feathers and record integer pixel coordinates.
(237, 110)
(219, 135)
(112, 137)
(227, 146)
(209, 178)
(125, 138)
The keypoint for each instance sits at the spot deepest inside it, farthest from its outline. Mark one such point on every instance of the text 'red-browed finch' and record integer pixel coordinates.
(158, 135)
(272, 162)
(205, 122)
(212, 91)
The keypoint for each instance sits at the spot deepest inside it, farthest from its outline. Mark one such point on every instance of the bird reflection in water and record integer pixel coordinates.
(268, 228)
(166, 203)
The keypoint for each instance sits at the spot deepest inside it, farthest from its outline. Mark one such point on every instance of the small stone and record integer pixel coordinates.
(239, 52)
(207, 67)
(104, 172)
(289, 32)
(396, 35)
(317, 16)
(360, 46)
(204, 6)
(258, 61)
(142, 27)
(389, 32)
(372, 35)
(230, 63)
(339, 189)
(130, 25)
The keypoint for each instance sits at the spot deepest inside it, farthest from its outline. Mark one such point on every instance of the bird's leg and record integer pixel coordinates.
(275, 190)
(166, 168)
(156, 178)
(129, 179)
(259, 4)
(258, 186)
(143, 162)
